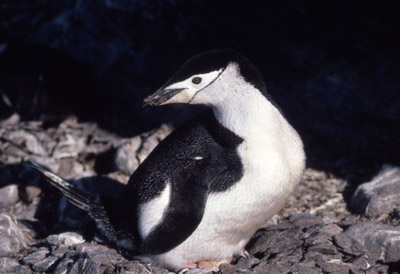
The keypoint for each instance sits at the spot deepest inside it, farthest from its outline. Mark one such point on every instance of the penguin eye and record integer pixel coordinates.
(196, 80)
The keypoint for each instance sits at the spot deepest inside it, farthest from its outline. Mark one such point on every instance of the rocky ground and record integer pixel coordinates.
(41, 232)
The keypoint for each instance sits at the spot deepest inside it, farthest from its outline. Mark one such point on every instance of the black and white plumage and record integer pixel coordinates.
(206, 188)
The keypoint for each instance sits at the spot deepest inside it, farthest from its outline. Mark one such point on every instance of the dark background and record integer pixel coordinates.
(332, 66)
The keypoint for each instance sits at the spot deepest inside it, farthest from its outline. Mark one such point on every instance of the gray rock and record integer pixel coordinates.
(324, 248)
(22, 142)
(74, 263)
(11, 266)
(66, 238)
(59, 251)
(31, 192)
(11, 237)
(379, 196)
(105, 257)
(261, 241)
(36, 256)
(85, 265)
(133, 151)
(92, 247)
(64, 265)
(8, 195)
(133, 267)
(302, 269)
(125, 157)
(336, 266)
(348, 245)
(331, 229)
(46, 264)
(381, 241)
(361, 262)
(244, 263)
(227, 269)
(264, 268)
(304, 220)
(288, 257)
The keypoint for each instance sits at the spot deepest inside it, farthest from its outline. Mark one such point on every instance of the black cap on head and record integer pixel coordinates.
(216, 59)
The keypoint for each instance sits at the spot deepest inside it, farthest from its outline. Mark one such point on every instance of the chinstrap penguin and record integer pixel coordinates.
(212, 183)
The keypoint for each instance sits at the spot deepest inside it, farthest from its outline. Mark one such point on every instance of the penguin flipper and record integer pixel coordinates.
(190, 186)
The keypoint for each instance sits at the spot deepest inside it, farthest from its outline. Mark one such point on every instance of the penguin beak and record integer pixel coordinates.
(161, 96)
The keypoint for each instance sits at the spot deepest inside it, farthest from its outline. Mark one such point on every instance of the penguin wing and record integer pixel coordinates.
(190, 186)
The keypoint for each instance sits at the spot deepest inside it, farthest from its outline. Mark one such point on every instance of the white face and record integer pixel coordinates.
(191, 87)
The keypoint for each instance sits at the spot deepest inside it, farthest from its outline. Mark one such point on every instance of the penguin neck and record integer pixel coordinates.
(247, 113)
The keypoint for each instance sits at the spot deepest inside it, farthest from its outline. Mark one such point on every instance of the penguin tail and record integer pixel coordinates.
(104, 211)
(76, 197)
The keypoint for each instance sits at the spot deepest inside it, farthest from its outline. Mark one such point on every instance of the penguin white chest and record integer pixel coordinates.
(253, 200)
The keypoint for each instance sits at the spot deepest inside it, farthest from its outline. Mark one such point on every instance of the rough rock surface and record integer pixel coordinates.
(380, 196)
(380, 240)
(11, 237)
(314, 233)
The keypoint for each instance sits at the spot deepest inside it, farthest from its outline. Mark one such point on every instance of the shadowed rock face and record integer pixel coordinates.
(330, 66)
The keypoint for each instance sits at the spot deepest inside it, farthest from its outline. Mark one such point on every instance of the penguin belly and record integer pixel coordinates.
(231, 217)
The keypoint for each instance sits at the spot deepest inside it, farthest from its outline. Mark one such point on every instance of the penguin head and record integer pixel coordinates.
(207, 78)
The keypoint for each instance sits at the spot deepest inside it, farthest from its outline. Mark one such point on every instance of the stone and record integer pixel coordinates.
(304, 220)
(264, 268)
(335, 266)
(261, 241)
(59, 251)
(380, 195)
(12, 238)
(65, 263)
(227, 268)
(380, 240)
(36, 256)
(31, 192)
(348, 245)
(361, 262)
(8, 195)
(300, 269)
(22, 142)
(11, 266)
(66, 238)
(324, 248)
(134, 150)
(244, 263)
(85, 265)
(125, 156)
(133, 267)
(45, 265)
(74, 263)
(105, 257)
(331, 229)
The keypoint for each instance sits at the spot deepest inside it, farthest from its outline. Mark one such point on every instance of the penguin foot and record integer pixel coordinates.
(202, 265)
(244, 254)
